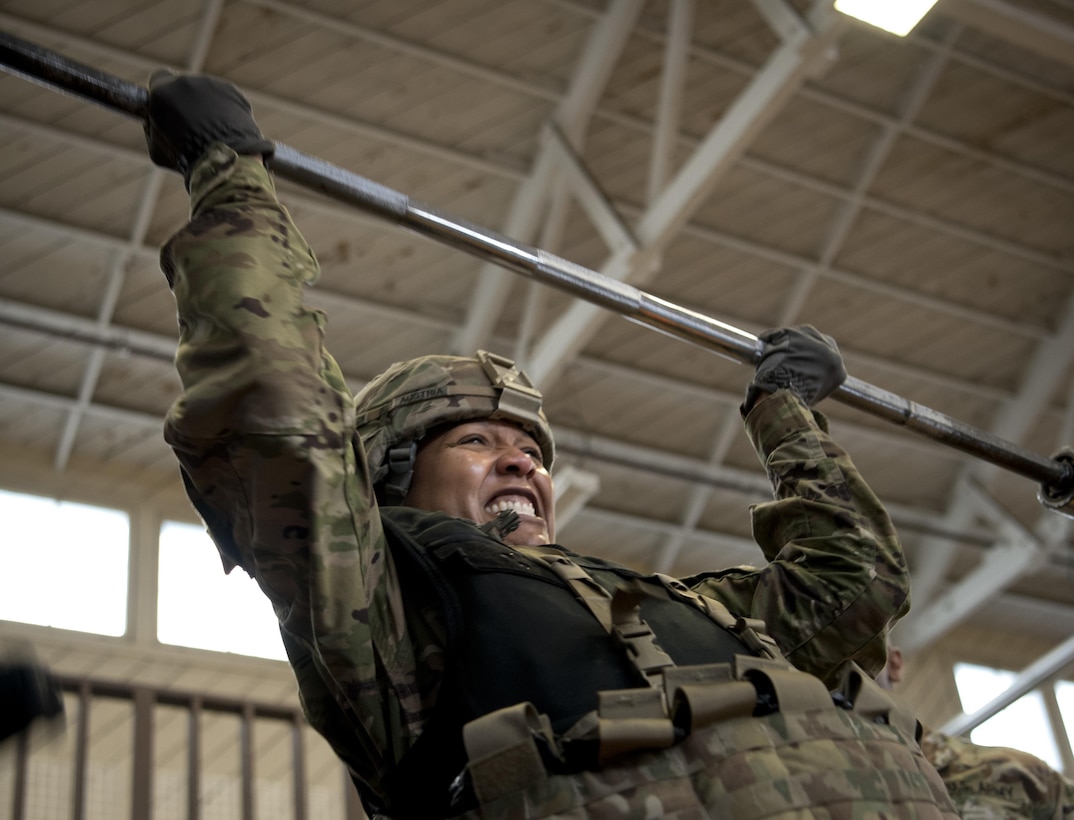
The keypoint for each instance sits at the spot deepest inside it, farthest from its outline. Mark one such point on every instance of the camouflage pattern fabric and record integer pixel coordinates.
(995, 783)
(837, 577)
(823, 764)
(408, 399)
(265, 435)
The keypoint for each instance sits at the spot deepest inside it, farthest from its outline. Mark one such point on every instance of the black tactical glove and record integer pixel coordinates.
(800, 358)
(188, 113)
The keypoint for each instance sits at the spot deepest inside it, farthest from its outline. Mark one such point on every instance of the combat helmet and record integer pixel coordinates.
(398, 408)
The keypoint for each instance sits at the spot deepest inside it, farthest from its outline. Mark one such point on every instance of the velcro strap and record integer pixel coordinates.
(746, 663)
(632, 719)
(752, 633)
(636, 636)
(678, 676)
(589, 592)
(630, 703)
(710, 606)
(628, 735)
(794, 690)
(695, 706)
(619, 614)
(873, 702)
(502, 750)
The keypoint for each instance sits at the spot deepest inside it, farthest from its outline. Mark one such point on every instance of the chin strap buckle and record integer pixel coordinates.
(400, 471)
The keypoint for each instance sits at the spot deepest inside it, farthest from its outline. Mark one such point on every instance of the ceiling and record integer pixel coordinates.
(763, 163)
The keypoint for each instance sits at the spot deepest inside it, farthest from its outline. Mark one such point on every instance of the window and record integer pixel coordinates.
(1064, 695)
(1022, 725)
(201, 607)
(65, 564)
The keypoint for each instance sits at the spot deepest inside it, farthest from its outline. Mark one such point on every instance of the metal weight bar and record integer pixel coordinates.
(52, 70)
(1054, 475)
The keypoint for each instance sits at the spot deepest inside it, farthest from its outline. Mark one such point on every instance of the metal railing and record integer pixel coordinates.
(134, 728)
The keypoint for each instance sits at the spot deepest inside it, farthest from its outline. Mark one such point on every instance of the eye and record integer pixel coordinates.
(534, 453)
(472, 438)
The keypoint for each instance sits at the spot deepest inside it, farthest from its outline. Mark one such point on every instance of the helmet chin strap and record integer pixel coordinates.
(410, 398)
(401, 472)
(401, 459)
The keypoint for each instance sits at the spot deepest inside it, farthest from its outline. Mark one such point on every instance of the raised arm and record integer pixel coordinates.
(836, 579)
(264, 429)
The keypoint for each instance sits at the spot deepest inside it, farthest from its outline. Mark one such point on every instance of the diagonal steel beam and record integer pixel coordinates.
(326, 298)
(807, 277)
(1029, 29)
(1015, 552)
(1052, 358)
(117, 270)
(1028, 679)
(580, 443)
(606, 42)
(761, 100)
(672, 82)
(852, 208)
(130, 341)
(1056, 475)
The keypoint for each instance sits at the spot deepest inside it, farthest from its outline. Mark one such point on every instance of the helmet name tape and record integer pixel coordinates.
(423, 395)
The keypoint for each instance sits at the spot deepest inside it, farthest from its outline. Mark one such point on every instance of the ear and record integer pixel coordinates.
(895, 663)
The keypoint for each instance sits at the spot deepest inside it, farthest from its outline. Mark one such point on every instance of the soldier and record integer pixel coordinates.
(458, 661)
(991, 782)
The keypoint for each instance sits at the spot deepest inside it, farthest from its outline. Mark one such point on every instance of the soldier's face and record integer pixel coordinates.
(477, 469)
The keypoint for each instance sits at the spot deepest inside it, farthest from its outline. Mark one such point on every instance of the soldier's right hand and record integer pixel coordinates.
(189, 112)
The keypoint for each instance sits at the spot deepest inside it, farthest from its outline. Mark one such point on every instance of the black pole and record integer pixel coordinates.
(54, 71)
(1055, 475)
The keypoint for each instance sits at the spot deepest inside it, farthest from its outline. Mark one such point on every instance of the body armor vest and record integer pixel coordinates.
(516, 632)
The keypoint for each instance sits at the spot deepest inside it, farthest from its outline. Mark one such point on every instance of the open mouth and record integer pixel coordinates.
(514, 500)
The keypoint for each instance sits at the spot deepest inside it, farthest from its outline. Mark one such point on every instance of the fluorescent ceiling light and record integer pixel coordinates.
(896, 16)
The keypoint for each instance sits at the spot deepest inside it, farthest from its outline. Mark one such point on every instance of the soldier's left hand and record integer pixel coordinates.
(801, 359)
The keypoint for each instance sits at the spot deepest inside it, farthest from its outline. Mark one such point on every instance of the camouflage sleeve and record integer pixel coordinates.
(997, 782)
(836, 578)
(264, 434)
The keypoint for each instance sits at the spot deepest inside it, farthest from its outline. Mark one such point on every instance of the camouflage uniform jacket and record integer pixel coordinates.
(264, 434)
(997, 783)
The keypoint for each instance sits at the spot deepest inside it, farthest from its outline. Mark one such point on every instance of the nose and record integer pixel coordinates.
(516, 461)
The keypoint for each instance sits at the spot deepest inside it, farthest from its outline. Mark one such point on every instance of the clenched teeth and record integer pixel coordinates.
(519, 505)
